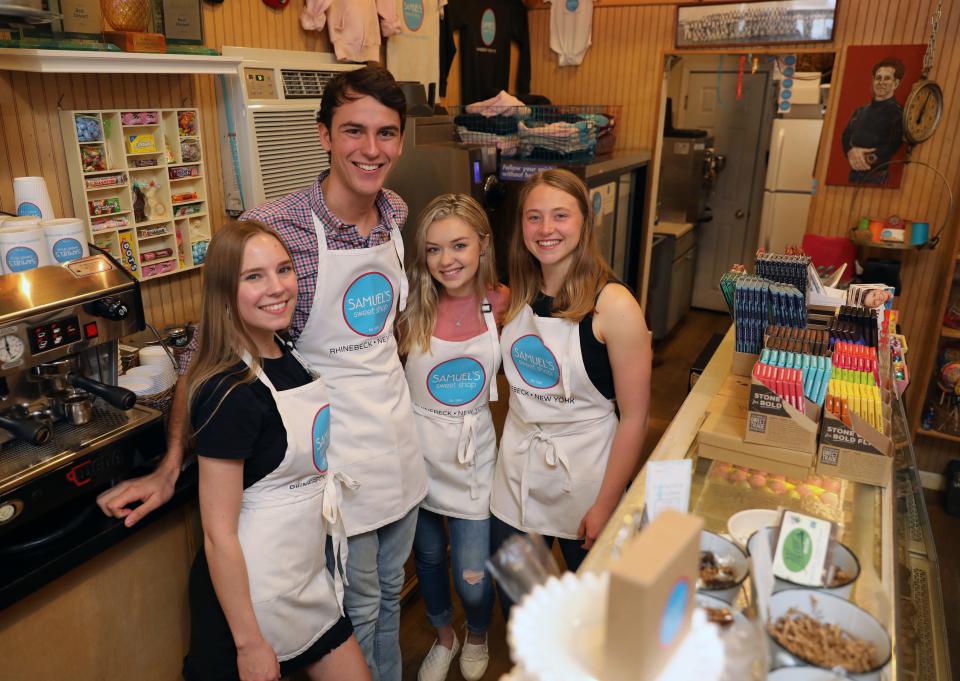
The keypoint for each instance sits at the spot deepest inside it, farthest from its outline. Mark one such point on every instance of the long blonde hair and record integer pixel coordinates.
(418, 321)
(589, 272)
(223, 337)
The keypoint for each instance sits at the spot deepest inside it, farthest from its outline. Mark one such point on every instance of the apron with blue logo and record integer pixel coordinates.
(284, 521)
(558, 432)
(451, 386)
(349, 338)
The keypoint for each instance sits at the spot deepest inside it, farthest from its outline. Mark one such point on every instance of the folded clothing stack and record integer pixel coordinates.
(499, 130)
(557, 140)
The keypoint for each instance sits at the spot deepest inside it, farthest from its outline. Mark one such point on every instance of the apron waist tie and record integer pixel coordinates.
(538, 443)
(467, 451)
(338, 533)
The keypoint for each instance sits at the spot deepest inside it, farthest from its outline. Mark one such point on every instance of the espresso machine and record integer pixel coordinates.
(66, 428)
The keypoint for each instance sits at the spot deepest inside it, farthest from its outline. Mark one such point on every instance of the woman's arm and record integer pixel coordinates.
(619, 323)
(221, 491)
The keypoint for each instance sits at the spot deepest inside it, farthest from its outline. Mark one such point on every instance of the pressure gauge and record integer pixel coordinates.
(11, 348)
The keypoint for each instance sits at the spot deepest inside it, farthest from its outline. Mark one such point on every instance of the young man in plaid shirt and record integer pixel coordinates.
(343, 233)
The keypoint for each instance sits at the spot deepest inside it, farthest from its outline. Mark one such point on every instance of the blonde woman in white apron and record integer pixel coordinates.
(263, 601)
(448, 334)
(576, 351)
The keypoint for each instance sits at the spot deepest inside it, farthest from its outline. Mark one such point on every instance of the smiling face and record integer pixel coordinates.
(885, 83)
(552, 223)
(267, 289)
(364, 141)
(453, 251)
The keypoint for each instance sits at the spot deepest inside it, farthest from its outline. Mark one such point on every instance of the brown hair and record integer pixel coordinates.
(891, 62)
(369, 81)
(418, 321)
(588, 273)
(224, 340)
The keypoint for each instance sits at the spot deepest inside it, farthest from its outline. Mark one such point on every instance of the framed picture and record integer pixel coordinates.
(755, 23)
(868, 132)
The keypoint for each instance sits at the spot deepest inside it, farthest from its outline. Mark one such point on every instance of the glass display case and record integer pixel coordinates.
(887, 528)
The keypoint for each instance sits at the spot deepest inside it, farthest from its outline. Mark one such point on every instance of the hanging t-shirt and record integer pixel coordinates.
(571, 22)
(487, 28)
(414, 53)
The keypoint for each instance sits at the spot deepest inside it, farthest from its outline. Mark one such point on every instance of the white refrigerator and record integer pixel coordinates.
(788, 187)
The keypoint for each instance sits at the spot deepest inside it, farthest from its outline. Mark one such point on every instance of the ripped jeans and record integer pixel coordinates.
(469, 550)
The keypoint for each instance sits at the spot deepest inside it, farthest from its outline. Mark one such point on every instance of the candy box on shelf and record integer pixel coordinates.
(181, 172)
(141, 144)
(128, 251)
(187, 123)
(854, 451)
(92, 158)
(104, 206)
(139, 118)
(88, 128)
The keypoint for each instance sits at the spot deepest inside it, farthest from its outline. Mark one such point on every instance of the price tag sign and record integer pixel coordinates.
(802, 549)
(668, 486)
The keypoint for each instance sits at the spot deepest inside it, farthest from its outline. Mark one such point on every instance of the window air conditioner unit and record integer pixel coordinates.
(269, 140)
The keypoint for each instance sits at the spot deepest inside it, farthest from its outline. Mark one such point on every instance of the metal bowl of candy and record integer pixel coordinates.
(839, 576)
(723, 567)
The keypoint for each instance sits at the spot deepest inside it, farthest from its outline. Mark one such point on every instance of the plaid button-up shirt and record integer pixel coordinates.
(292, 217)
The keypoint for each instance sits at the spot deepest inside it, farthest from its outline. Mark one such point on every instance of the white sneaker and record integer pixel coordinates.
(473, 660)
(437, 662)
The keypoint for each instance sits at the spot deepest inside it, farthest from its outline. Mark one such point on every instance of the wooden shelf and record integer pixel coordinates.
(148, 223)
(201, 214)
(938, 435)
(110, 215)
(181, 179)
(82, 61)
(185, 163)
(947, 332)
(154, 236)
(157, 262)
(107, 186)
(187, 202)
(141, 168)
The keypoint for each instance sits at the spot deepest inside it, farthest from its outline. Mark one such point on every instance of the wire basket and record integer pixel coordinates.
(561, 133)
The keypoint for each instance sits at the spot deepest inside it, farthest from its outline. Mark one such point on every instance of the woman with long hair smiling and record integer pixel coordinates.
(576, 350)
(262, 601)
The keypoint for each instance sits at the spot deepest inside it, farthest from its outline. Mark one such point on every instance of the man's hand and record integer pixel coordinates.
(857, 156)
(152, 490)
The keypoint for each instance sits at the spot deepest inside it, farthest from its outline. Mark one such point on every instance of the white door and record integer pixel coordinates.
(784, 220)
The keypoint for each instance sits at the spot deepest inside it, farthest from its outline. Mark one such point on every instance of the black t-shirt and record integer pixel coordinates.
(596, 359)
(486, 30)
(247, 424)
(879, 126)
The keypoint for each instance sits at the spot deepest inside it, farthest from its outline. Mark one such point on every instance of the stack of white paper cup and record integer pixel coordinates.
(66, 239)
(23, 246)
(31, 197)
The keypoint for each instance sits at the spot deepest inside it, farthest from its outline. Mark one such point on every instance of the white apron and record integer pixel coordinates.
(283, 525)
(451, 387)
(349, 338)
(558, 433)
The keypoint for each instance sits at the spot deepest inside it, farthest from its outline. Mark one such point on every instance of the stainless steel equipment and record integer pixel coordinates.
(688, 168)
(64, 423)
(434, 162)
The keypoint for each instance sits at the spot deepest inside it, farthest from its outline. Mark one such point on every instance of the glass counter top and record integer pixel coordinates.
(887, 529)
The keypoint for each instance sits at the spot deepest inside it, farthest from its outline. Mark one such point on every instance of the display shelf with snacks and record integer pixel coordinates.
(886, 528)
(137, 177)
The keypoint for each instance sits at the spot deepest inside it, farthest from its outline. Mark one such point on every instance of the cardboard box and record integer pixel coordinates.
(743, 363)
(651, 597)
(736, 387)
(735, 407)
(721, 439)
(857, 452)
(773, 421)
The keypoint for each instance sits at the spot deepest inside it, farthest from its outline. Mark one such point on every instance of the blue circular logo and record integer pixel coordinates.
(784, 106)
(536, 364)
(787, 83)
(21, 258)
(413, 14)
(488, 27)
(457, 381)
(788, 72)
(321, 438)
(367, 303)
(673, 614)
(28, 209)
(67, 249)
(786, 94)
(572, 5)
(597, 203)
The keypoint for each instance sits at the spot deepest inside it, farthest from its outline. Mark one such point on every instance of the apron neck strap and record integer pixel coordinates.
(487, 309)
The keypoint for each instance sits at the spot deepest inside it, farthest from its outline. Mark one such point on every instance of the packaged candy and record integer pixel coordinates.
(190, 150)
(181, 172)
(105, 180)
(104, 206)
(141, 144)
(88, 128)
(183, 196)
(187, 122)
(143, 162)
(108, 223)
(92, 158)
(139, 117)
(147, 256)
